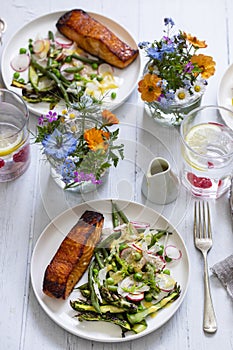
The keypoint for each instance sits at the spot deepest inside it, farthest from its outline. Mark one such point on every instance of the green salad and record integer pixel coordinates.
(57, 70)
(129, 277)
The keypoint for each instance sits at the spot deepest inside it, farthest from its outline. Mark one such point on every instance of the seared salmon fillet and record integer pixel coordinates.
(73, 256)
(95, 38)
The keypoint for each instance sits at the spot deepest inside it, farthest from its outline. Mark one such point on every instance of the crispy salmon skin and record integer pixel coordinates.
(73, 256)
(96, 38)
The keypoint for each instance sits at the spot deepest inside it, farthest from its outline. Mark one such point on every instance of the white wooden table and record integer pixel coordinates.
(29, 203)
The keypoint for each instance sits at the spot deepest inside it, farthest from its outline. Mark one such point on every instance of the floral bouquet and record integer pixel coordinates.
(79, 147)
(175, 74)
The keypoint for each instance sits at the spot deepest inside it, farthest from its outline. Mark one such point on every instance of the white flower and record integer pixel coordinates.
(199, 87)
(182, 95)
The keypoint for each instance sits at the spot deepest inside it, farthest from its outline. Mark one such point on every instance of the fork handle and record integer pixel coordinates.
(209, 322)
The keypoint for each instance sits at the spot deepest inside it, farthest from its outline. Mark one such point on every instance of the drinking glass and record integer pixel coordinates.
(14, 136)
(207, 151)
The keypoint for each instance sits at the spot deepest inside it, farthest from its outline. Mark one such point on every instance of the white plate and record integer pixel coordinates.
(225, 95)
(60, 311)
(40, 26)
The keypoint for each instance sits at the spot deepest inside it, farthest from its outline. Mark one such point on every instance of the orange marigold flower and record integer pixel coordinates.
(194, 41)
(205, 63)
(149, 87)
(96, 139)
(109, 118)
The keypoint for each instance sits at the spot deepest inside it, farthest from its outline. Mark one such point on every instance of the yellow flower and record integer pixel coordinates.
(194, 41)
(109, 118)
(205, 63)
(72, 115)
(149, 87)
(96, 139)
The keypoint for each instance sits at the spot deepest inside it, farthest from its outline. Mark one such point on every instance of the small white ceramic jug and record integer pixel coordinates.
(160, 185)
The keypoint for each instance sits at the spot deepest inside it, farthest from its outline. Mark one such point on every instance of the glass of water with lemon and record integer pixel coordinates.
(14, 136)
(207, 151)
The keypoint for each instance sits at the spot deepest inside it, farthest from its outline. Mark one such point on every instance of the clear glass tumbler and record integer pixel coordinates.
(207, 151)
(14, 136)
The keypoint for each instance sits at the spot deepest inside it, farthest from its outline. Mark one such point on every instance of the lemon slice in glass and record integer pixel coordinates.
(198, 139)
(8, 143)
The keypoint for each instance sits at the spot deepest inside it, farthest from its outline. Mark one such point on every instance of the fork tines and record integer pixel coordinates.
(201, 214)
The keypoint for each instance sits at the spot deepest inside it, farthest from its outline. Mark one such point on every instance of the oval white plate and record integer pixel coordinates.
(60, 311)
(40, 27)
(225, 94)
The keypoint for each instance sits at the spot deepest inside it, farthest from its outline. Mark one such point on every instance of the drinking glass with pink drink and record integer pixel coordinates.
(207, 151)
(14, 136)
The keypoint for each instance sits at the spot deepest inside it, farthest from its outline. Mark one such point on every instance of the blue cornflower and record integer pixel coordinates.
(187, 83)
(168, 21)
(170, 95)
(155, 53)
(59, 145)
(164, 102)
(167, 48)
(67, 170)
(143, 44)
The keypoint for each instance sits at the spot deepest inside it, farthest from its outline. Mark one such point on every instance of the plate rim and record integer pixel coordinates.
(138, 60)
(55, 319)
(219, 99)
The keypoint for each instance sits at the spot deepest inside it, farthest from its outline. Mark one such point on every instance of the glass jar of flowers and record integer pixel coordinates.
(175, 77)
(79, 145)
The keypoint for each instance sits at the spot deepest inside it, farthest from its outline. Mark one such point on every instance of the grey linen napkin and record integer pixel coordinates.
(224, 271)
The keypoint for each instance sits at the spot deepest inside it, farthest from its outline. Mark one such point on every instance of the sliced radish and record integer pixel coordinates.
(63, 42)
(38, 46)
(138, 224)
(173, 252)
(165, 282)
(157, 260)
(105, 68)
(20, 62)
(135, 247)
(125, 253)
(135, 297)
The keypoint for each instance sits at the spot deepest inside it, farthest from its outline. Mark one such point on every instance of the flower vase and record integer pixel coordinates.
(83, 172)
(172, 114)
(84, 186)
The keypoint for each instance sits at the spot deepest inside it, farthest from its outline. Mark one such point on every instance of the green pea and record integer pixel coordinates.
(113, 95)
(16, 75)
(148, 297)
(99, 78)
(137, 276)
(93, 76)
(21, 80)
(22, 50)
(110, 280)
(166, 271)
(130, 269)
(94, 65)
(68, 59)
(95, 271)
(137, 256)
(77, 77)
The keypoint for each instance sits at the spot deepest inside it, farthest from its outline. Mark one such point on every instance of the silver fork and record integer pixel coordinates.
(203, 241)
